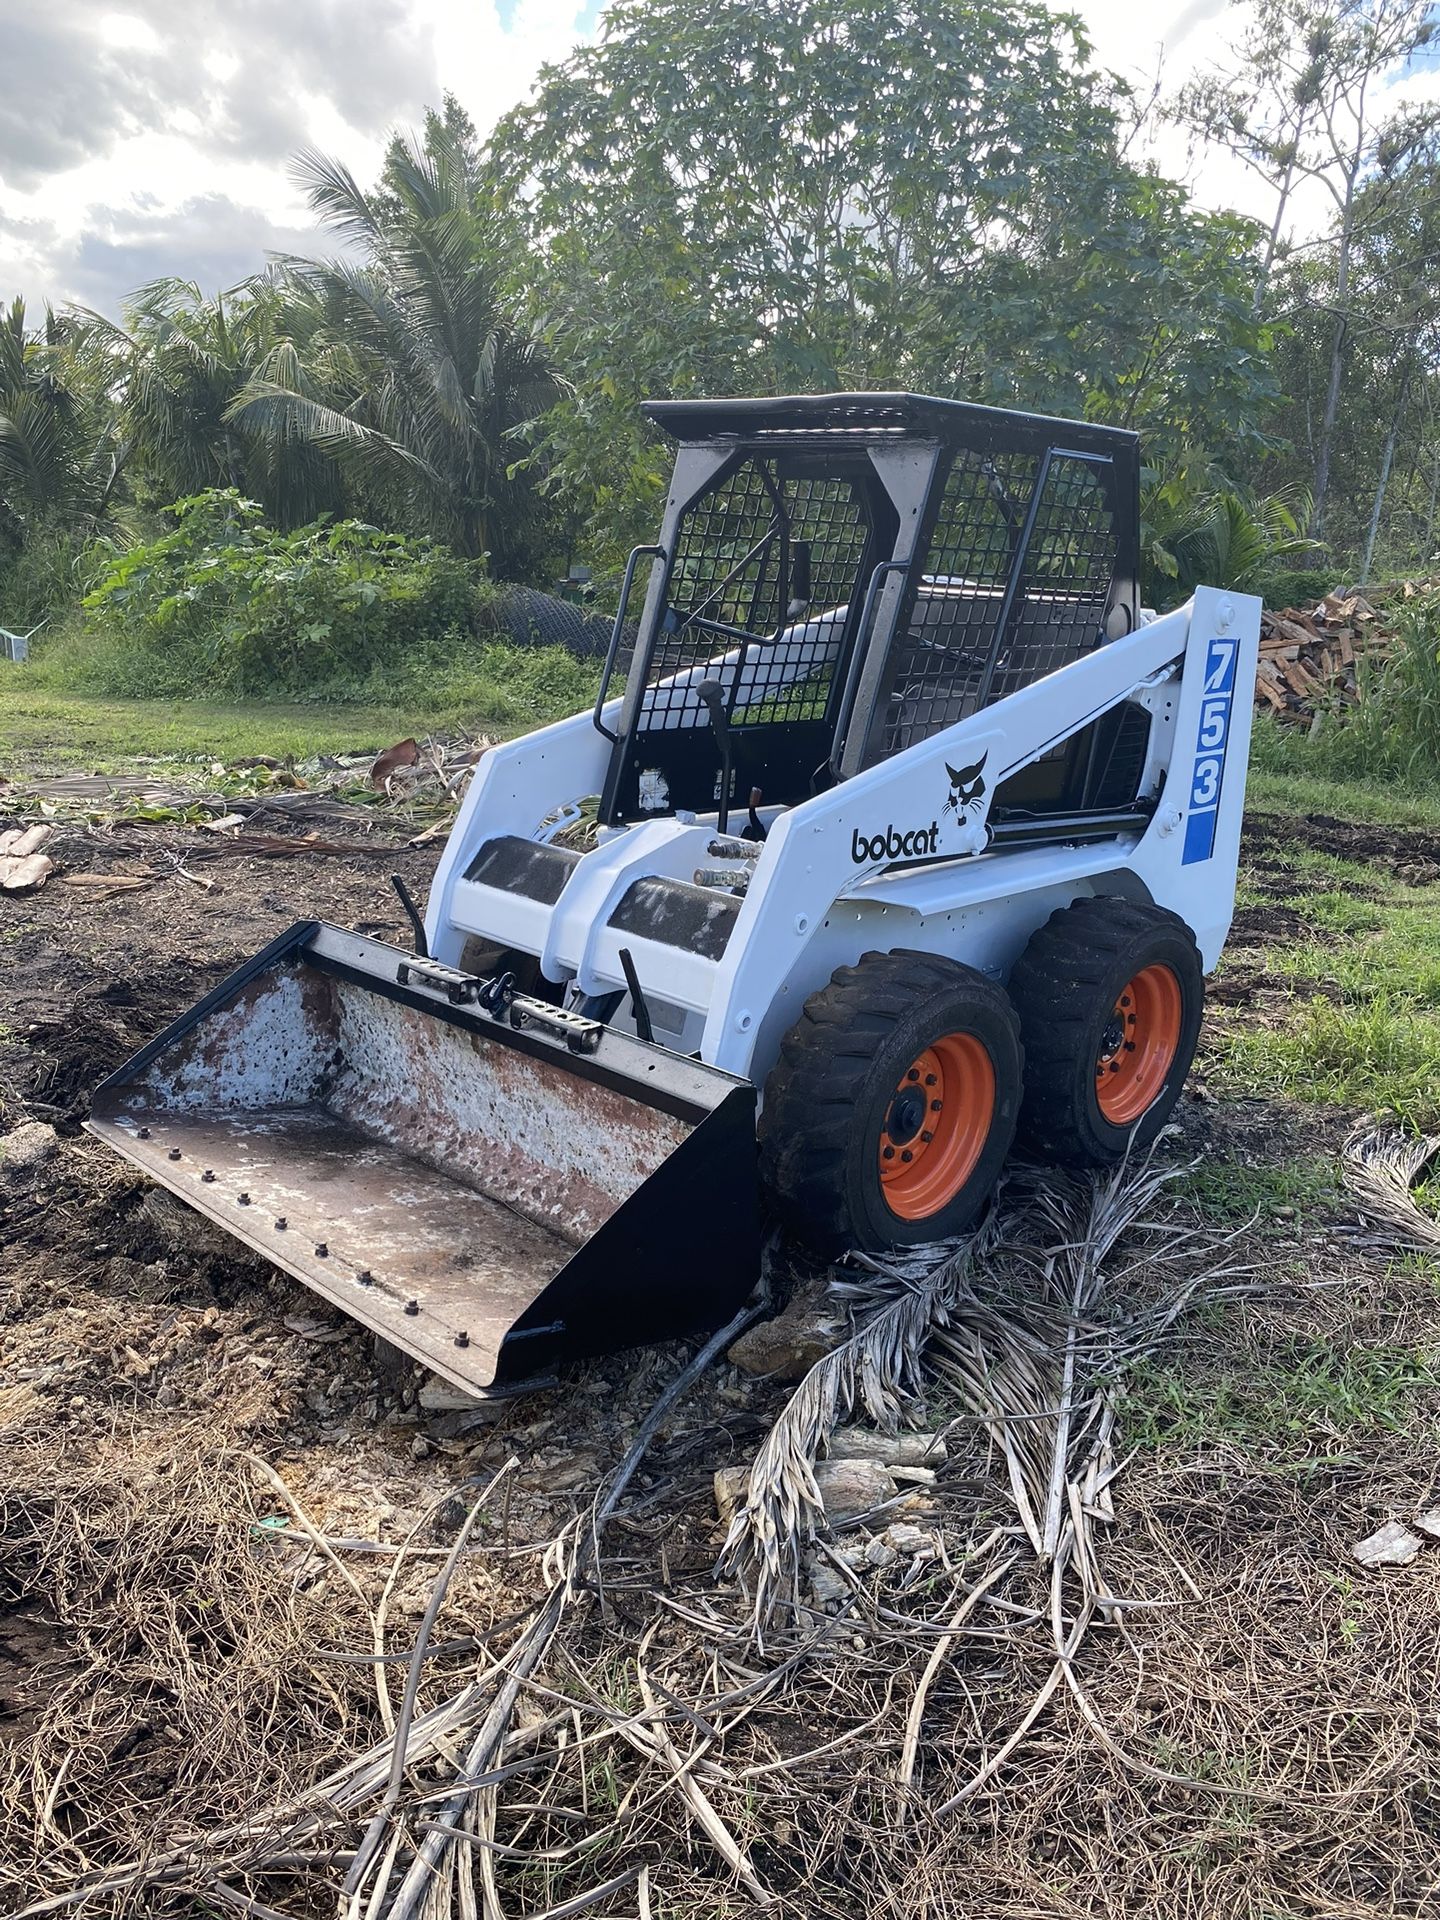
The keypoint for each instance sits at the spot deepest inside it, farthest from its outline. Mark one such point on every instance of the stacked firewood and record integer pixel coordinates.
(1308, 656)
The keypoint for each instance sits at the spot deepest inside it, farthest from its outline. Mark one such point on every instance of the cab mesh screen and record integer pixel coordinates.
(735, 567)
(938, 661)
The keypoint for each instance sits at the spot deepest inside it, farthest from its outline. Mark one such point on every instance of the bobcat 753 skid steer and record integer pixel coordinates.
(908, 831)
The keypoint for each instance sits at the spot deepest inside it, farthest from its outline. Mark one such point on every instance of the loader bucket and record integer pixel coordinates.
(492, 1192)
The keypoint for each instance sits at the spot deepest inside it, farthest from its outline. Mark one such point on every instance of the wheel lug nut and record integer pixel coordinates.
(907, 1156)
(935, 1106)
(913, 1074)
(927, 1138)
(889, 1153)
(930, 1080)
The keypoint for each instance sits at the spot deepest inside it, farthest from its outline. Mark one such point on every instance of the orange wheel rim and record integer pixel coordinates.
(1138, 1046)
(936, 1125)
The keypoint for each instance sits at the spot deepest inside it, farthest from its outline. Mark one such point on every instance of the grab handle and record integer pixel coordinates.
(617, 633)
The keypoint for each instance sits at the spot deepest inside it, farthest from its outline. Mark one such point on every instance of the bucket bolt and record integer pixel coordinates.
(462, 1339)
(322, 1252)
(142, 1133)
(242, 1199)
(412, 1307)
(280, 1224)
(208, 1176)
(174, 1153)
(365, 1277)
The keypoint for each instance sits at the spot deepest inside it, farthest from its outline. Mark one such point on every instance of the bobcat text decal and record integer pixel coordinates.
(967, 789)
(893, 845)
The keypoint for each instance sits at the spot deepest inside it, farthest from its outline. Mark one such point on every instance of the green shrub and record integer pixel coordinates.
(1295, 586)
(46, 579)
(223, 604)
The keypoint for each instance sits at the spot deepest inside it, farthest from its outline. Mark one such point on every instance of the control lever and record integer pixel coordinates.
(712, 696)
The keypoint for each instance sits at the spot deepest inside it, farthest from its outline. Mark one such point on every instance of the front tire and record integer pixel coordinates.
(1110, 997)
(888, 1116)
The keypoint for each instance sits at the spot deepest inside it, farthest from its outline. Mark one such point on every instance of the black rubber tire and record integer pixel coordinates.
(1065, 986)
(828, 1095)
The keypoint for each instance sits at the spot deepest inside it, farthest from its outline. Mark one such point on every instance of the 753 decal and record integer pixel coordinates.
(1207, 775)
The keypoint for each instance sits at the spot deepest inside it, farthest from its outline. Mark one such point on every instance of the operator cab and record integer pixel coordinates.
(841, 576)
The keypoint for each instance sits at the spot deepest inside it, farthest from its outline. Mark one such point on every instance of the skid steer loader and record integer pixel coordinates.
(897, 832)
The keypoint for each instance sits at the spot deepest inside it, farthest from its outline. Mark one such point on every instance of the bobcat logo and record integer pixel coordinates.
(966, 786)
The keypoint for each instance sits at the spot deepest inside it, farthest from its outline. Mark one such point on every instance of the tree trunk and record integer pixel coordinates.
(1385, 464)
(1327, 421)
(1337, 346)
(1428, 540)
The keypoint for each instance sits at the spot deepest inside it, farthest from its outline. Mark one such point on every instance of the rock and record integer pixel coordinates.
(880, 1553)
(828, 1588)
(1428, 1523)
(438, 1396)
(852, 1487)
(1393, 1545)
(890, 1449)
(904, 1537)
(27, 1147)
(786, 1347)
(730, 1485)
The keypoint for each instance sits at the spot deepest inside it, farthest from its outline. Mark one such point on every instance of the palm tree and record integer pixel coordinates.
(189, 356)
(416, 372)
(61, 449)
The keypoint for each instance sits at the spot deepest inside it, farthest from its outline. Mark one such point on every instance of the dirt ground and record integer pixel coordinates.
(169, 1405)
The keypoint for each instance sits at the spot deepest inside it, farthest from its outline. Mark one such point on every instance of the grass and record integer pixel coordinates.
(45, 728)
(1273, 788)
(1307, 1390)
(1380, 1054)
(47, 731)
(1361, 1025)
(1229, 1193)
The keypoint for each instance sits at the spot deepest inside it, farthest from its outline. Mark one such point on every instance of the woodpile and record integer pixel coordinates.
(1312, 659)
(1308, 657)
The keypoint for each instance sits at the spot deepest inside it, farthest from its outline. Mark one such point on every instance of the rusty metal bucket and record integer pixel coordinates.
(492, 1185)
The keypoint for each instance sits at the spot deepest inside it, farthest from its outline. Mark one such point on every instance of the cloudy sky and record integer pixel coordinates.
(153, 138)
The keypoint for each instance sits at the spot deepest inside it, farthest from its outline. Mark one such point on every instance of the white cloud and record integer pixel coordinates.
(116, 127)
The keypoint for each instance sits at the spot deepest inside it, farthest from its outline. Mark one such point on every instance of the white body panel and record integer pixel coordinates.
(827, 888)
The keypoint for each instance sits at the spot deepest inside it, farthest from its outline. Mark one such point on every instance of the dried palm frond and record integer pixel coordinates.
(879, 1370)
(1382, 1168)
(1010, 1362)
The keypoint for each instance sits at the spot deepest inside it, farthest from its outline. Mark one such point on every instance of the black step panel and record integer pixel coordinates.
(513, 865)
(697, 919)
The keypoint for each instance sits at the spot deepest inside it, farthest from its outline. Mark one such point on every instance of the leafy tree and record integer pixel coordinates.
(411, 366)
(725, 194)
(1305, 102)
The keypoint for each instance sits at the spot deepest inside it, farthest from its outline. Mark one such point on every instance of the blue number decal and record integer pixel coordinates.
(1211, 740)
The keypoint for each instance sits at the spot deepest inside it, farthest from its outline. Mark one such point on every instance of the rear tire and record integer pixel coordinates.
(1110, 996)
(888, 1116)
